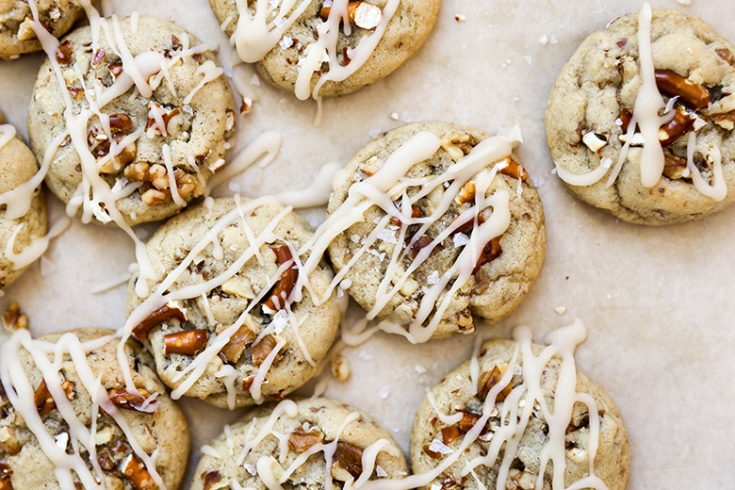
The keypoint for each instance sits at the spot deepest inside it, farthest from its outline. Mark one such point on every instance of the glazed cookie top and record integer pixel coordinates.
(21, 227)
(640, 122)
(17, 35)
(234, 326)
(133, 115)
(319, 48)
(433, 223)
(310, 444)
(520, 415)
(68, 418)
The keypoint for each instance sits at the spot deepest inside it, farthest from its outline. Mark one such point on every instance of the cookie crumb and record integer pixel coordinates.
(419, 369)
(560, 310)
(543, 40)
(684, 2)
(340, 368)
(14, 318)
(459, 18)
(395, 116)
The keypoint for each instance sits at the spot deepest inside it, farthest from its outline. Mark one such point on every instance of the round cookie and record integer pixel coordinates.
(18, 165)
(17, 36)
(407, 31)
(177, 135)
(433, 439)
(596, 94)
(504, 274)
(251, 288)
(160, 427)
(308, 425)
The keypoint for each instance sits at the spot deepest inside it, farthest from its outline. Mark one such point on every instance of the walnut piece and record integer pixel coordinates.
(300, 439)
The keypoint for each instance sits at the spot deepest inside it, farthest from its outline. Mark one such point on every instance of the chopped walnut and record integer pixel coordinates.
(489, 379)
(347, 458)
(137, 474)
(262, 350)
(300, 439)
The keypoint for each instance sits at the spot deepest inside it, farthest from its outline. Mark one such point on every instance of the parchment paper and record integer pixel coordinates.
(661, 336)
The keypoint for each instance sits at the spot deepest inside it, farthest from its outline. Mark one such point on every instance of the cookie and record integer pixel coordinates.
(17, 166)
(166, 113)
(300, 444)
(48, 427)
(264, 336)
(309, 54)
(17, 36)
(446, 252)
(478, 412)
(680, 91)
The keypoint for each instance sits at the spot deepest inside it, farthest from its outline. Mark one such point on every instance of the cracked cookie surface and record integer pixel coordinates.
(17, 36)
(496, 288)
(164, 431)
(407, 31)
(601, 82)
(432, 440)
(172, 139)
(313, 422)
(218, 308)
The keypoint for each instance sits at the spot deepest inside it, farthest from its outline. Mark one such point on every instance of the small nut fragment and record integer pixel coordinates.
(5, 473)
(121, 160)
(25, 30)
(491, 252)
(43, 400)
(347, 458)
(362, 14)
(726, 55)
(137, 474)
(262, 349)
(594, 141)
(282, 290)
(240, 341)
(467, 193)
(64, 52)
(129, 401)
(454, 432)
(187, 342)
(514, 169)
(167, 312)
(120, 122)
(151, 197)
(14, 318)
(8, 442)
(136, 172)
(489, 379)
(340, 368)
(675, 167)
(300, 439)
(158, 176)
(672, 84)
(213, 480)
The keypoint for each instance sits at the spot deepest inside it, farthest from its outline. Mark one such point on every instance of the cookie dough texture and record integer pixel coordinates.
(407, 31)
(494, 291)
(603, 77)
(196, 131)
(164, 431)
(318, 324)
(18, 165)
(318, 415)
(454, 393)
(17, 36)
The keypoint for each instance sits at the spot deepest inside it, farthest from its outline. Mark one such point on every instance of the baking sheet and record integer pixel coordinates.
(661, 338)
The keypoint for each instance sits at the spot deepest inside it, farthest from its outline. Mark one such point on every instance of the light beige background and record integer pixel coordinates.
(656, 301)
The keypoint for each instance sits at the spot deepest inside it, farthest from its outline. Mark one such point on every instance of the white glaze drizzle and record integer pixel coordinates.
(389, 183)
(258, 32)
(20, 393)
(649, 103)
(506, 438)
